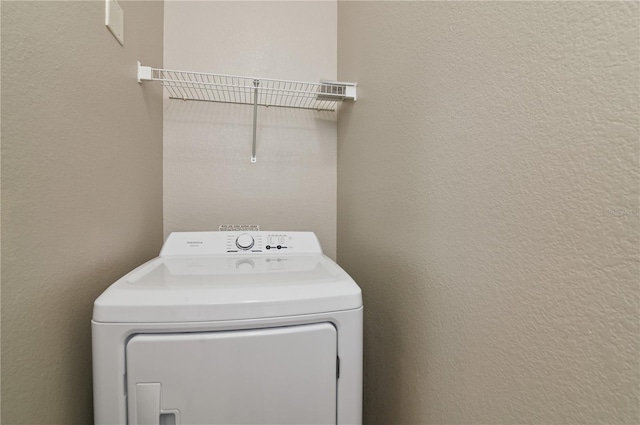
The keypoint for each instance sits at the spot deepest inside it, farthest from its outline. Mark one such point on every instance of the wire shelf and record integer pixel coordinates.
(188, 85)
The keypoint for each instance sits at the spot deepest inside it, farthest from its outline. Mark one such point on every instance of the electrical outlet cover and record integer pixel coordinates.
(114, 20)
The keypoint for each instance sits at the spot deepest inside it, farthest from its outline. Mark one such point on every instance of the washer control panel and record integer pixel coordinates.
(240, 242)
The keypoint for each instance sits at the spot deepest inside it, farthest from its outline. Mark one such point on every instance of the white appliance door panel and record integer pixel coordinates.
(283, 375)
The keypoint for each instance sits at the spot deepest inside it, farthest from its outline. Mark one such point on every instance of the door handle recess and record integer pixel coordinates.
(148, 410)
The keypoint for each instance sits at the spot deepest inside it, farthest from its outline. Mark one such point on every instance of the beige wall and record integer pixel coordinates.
(81, 191)
(208, 179)
(488, 188)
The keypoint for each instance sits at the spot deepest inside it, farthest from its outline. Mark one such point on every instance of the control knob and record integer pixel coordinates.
(244, 241)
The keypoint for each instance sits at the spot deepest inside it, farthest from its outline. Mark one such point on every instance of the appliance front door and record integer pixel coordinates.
(283, 375)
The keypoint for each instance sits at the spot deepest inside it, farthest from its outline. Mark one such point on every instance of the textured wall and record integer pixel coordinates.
(81, 191)
(208, 179)
(488, 187)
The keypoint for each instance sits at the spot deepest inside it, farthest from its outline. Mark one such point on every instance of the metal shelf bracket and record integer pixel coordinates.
(256, 84)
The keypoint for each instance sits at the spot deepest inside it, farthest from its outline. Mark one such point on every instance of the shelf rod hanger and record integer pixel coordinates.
(256, 84)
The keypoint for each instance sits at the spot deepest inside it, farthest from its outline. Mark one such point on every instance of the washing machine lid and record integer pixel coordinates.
(213, 276)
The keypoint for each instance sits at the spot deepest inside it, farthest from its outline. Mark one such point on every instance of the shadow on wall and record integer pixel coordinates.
(225, 131)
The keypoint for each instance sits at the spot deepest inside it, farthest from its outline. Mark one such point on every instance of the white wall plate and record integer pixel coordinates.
(114, 19)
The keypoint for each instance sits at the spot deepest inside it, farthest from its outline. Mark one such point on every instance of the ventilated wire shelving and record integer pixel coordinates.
(186, 85)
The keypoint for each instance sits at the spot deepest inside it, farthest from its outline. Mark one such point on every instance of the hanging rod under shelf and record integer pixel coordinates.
(188, 85)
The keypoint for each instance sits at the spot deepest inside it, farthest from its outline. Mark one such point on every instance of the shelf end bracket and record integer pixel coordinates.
(144, 73)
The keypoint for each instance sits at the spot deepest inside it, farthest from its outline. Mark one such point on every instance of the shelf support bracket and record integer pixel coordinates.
(144, 73)
(256, 84)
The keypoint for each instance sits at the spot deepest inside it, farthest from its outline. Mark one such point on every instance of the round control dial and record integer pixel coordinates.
(244, 241)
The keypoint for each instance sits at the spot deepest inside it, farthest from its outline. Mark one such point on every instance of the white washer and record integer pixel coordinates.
(230, 328)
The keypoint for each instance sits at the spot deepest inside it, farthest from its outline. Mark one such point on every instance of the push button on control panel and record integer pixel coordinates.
(276, 247)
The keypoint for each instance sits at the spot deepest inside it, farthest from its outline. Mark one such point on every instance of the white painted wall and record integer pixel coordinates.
(208, 179)
(489, 206)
